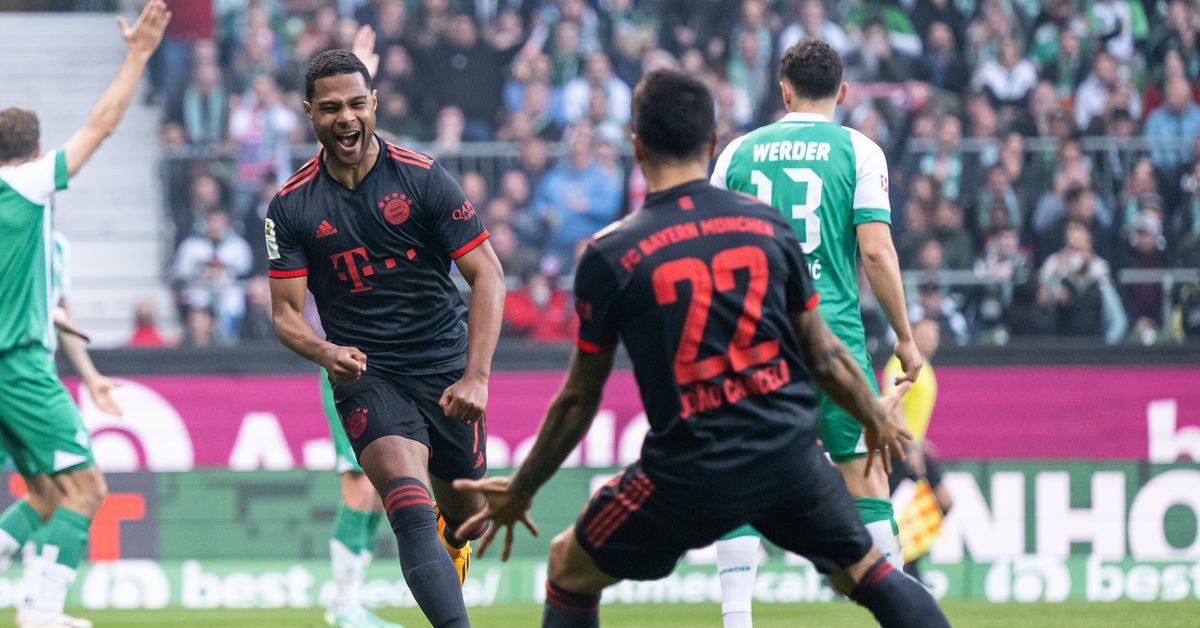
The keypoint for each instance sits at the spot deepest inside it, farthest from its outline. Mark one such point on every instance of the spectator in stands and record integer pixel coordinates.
(1141, 181)
(145, 327)
(811, 23)
(1103, 90)
(171, 65)
(261, 126)
(941, 64)
(957, 249)
(597, 77)
(947, 164)
(747, 77)
(932, 304)
(1183, 227)
(1146, 249)
(451, 126)
(540, 310)
(1178, 34)
(1080, 208)
(470, 75)
(1007, 267)
(1056, 17)
(1067, 68)
(205, 107)
(1009, 78)
(475, 188)
(876, 60)
(208, 271)
(577, 197)
(998, 193)
(207, 196)
(1077, 285)
(566, 53)
(1173, 126)
(201, 329)
(257, 324)
(928, 13)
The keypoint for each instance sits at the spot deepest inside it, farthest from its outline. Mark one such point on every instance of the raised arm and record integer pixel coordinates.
(143, 38)
(344, 364)
(839, 375)
(567, 421)
(882, 267)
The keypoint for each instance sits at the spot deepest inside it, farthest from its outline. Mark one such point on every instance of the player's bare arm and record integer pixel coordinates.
(466, 399)
(73, 342)
(882, 267)
(839, 375)
(566, 423)
(143, 38)
(344, 364)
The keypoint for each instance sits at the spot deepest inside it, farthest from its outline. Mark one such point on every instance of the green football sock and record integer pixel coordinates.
(879, 518)
(373, 522)
(19, 521)
(67, 531)
(351, 528)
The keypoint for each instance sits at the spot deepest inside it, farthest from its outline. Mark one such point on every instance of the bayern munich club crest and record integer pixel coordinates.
(396, 208)
(356, 423)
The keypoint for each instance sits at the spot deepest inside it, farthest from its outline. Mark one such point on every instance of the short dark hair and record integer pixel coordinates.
(813, 69)
(673, 115)
(333, 63)
(19, 132)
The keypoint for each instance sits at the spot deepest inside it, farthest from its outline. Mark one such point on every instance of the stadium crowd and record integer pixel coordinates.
(1037, 148)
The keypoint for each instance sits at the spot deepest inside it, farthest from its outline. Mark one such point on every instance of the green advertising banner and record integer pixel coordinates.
(1028, 531)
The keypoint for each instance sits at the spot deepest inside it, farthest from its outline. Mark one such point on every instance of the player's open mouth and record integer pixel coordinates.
(348, 140)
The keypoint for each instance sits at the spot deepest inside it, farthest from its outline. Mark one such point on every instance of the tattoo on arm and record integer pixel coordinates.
(834, 368)
(567, 420)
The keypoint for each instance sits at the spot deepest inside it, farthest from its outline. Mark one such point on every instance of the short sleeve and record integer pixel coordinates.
(37, 180)
(721, 170)
(801, 293)
(595, 296)
(285, 251)
(449, 215)
(871, 202)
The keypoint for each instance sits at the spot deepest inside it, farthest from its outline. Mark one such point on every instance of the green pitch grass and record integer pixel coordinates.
(833, 615)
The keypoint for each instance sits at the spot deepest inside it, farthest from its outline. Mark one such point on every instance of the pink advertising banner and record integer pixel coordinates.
(275, 421)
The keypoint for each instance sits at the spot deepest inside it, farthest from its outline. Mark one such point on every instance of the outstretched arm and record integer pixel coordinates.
(882, 267)
(567, 421)
(840, 376)
(143, 38)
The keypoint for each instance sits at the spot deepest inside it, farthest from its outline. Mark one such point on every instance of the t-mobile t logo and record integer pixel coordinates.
(349, 270)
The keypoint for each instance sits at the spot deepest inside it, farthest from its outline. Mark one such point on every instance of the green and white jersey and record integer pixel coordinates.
(27, 250)
(826, 179)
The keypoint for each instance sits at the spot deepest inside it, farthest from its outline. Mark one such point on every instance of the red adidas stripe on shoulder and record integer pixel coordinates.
(412, 161)
(408, 152)
(302, 176)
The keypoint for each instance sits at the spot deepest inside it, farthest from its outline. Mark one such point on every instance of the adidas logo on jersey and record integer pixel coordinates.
(325, 229)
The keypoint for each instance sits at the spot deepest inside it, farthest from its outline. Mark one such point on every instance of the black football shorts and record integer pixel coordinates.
(382, 404)
(637, 529)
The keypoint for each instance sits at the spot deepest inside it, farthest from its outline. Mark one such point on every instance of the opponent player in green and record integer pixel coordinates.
(39, 424)
(831, 182)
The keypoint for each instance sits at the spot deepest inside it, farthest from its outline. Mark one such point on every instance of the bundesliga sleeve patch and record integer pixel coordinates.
(269, 234)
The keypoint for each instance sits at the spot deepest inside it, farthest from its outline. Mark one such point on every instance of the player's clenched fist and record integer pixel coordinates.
(465, 399)
(344, 364)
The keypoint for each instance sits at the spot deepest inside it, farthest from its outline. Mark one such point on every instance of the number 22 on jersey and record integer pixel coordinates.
(806, 211)
(704, 279)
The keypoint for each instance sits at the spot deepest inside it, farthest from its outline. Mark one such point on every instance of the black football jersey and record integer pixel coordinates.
(699, 285)
(378, 257)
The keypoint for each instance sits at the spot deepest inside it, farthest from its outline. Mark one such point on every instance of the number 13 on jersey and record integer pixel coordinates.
(805, 211)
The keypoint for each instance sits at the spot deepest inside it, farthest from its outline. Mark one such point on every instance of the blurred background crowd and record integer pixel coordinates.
(1044, 155)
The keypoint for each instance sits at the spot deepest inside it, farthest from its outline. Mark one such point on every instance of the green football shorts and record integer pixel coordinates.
(39, 423)
(341, 445)
(841, 434)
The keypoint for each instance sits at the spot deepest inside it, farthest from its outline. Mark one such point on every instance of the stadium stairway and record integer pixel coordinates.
(57, 64)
